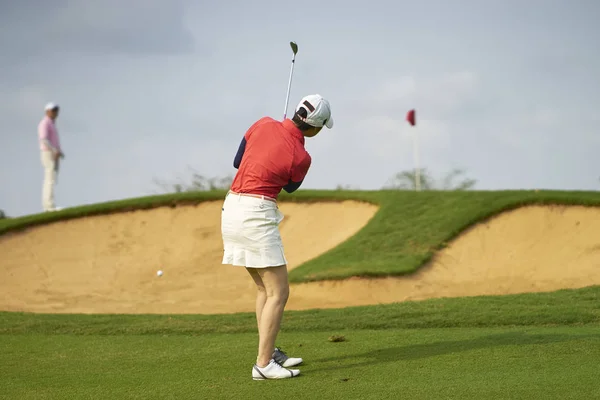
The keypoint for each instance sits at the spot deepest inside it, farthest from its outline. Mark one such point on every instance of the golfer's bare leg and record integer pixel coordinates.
(275, 280)
(261, 293)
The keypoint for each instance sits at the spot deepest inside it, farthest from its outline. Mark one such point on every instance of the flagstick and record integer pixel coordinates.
(410, 117)
(416, 158)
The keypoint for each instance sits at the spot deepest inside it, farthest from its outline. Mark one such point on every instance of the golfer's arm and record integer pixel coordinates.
(240, 153)
(298, 174)
(292, 186)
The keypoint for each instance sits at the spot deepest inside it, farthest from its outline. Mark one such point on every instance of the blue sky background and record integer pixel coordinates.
(508, 90)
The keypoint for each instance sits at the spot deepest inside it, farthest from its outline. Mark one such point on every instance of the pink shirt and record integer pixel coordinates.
(47, 131)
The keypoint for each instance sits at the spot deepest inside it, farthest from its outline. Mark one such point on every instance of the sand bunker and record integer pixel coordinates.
(108, 264)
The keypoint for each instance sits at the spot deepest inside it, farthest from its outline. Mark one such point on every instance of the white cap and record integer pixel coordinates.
(51, 106)
(317, 109)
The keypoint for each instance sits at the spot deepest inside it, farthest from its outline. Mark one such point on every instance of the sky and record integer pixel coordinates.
(508, 91)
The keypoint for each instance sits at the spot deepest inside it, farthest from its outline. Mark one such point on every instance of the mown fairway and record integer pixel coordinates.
(523, 363)
(537, 346)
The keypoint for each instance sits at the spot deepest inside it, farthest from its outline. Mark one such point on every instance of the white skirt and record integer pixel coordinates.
(250, 230)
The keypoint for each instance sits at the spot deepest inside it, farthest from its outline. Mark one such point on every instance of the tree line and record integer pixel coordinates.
(403, 180)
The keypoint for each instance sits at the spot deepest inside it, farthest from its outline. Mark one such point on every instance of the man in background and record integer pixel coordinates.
(51, 154)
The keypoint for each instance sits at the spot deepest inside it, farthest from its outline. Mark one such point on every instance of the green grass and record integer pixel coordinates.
(528, 346)
(563, 307)
(530, 363)
(404, 234)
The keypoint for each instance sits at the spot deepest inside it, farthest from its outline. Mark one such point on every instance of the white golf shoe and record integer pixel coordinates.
(282, 359)
(273, 371)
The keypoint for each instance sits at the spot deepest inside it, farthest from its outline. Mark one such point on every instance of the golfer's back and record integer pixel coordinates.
(274, 155)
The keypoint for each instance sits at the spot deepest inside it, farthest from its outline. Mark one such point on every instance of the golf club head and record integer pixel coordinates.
(294, 47)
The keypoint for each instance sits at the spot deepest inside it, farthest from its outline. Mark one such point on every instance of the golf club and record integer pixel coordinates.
(294, 47)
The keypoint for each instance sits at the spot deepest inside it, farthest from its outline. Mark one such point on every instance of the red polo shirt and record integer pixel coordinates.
(274, 155)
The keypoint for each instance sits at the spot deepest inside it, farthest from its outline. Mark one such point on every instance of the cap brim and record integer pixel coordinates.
(329, 123)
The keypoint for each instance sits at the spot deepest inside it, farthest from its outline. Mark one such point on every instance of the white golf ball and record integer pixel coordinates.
(159, 272)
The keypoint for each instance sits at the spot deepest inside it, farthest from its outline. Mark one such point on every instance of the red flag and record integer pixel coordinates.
(410, 117)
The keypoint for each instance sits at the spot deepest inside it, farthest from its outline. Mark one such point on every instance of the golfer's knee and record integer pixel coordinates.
(280, 295)
(283, 294)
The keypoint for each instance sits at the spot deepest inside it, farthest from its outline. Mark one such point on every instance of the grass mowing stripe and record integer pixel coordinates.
(470, 363)
(564, 307)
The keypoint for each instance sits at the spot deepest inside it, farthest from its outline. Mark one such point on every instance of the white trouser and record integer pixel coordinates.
(50, 173)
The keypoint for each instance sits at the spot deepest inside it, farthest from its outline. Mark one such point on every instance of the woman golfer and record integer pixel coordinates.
(270, 157)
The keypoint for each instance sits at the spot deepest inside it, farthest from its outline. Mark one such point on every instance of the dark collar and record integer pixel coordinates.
(289, 126)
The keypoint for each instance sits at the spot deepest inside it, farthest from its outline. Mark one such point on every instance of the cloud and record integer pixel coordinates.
(144, 96)
(439, 101)
(368, 148)
(94, 27)
(434, 95)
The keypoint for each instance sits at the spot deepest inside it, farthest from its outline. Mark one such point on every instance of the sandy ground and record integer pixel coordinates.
(108, 264)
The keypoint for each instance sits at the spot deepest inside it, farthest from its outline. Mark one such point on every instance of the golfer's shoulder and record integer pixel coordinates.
(264, 124)
(266, 121)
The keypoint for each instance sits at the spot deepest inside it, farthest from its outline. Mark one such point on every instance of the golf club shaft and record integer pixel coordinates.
(287, 97)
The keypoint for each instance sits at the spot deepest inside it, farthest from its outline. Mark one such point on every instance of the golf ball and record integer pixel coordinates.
(159, 273)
